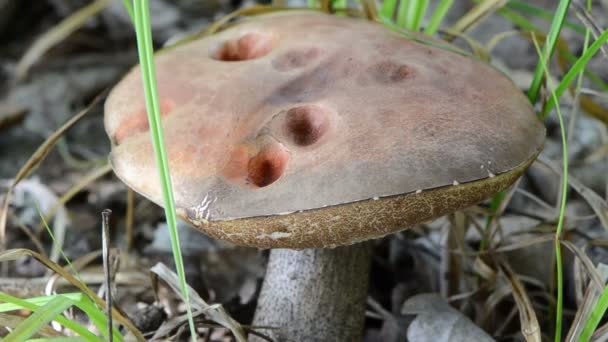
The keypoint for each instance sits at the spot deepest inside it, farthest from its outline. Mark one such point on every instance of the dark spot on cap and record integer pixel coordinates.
(249, 46)
(391, 72)
(267, 166)
(138, 122)
(296, 58)
(312, 83)
(305, 125)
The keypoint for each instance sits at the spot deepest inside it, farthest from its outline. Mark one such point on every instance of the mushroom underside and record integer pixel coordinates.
(359, 221)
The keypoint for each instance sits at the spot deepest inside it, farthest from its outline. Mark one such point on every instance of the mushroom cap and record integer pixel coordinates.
(308, 130)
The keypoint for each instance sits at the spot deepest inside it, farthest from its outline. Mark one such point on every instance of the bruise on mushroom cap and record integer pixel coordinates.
(294, 124)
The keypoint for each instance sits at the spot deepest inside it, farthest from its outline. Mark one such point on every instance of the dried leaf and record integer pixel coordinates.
(477, 15)
(36, 158)
(478, 50)
(587, 19)
(249, 11)
(596, 278)
(45, 198)
(525, 243)
(215, 312)
(11, 115)
(370, 10)
(89, 178)
(527, 317)
(600, 334)
(483, 270)
(439, 322)
(595, 201)
(452, 263)
(597, 155)
(497, 39)
(498, 294)
(58, 33)
(592, 295)
(12, 321)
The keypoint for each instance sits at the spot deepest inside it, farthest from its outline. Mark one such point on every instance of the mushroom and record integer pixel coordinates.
(309, 131)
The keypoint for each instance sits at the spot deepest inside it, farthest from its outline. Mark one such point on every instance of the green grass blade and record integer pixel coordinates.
(388, 9)
(411, 13)
(549, 48)
(56, 243)
(521, 6)
(589, 74)
(578, 67)
(562, 209)
(97, 317)
(19, 304)
(526, 25)
(81, 301)
(39, 319)
(518, 20)
(559, 307)
(129, 8)
(410, 16)
(418, 13)
(402, 13)
(145, 50)
(58, 339)
(596, 316)
(437, 19)
(340, 4)
(37, 301)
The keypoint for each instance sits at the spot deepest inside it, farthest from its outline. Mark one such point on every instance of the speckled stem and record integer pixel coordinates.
(315, 294)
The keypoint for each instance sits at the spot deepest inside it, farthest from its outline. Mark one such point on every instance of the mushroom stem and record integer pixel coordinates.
(315, 294)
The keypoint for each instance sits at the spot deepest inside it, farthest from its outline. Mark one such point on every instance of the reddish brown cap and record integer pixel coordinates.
(309, 130)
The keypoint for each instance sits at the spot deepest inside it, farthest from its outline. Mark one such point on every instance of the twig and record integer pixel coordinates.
(105, 232)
